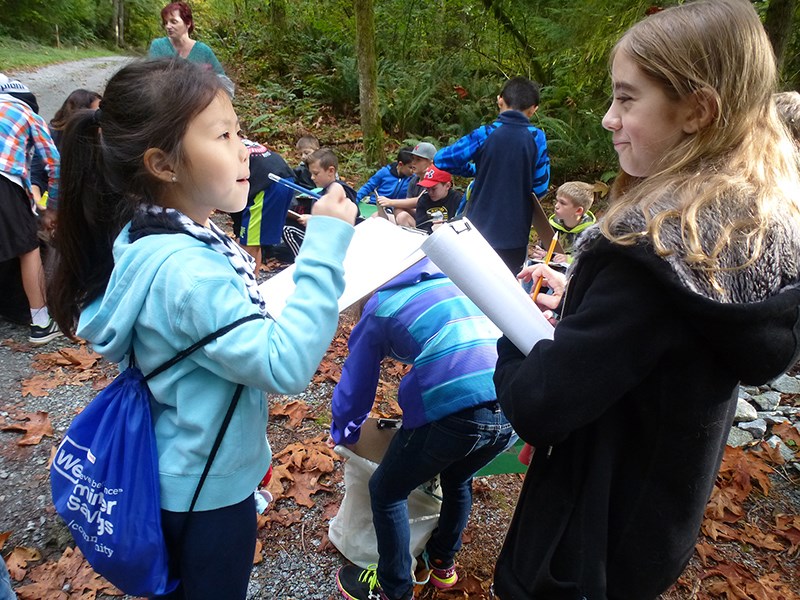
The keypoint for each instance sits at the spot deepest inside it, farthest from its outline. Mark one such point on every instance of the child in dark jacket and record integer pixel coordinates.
(439, 202)
(509, 161)
(306, 146)
(324, 168)
(688, 286)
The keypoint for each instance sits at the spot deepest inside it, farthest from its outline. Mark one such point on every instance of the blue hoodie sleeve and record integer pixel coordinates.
(354, 395)
(277, 356)
(373, 183)
(541, 171)
(457, 158)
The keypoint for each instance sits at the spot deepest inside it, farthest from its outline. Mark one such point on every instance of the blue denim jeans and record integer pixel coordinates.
(6, 593)
(455, 447)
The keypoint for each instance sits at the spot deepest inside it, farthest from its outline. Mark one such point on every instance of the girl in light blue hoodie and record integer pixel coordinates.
(143, 268)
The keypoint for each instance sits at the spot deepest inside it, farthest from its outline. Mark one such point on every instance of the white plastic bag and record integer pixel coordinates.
(351, 530)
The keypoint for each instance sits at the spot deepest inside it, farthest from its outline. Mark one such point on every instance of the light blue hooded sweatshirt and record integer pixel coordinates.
(168, 291)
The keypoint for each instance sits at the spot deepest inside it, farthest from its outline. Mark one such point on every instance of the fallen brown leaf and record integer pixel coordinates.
(38, 425)
(258, 557)
(296, 411)
(17, 561)
(71, 572)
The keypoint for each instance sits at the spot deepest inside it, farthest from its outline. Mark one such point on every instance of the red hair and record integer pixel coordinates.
(183, 10)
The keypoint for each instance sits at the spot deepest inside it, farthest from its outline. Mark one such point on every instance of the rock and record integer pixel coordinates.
(767, 400)
(786, 452)
(757, 428)
(786, 384)
(750, 390)
(738, 437)
(745, 412)
(772, 417)
(744, 394)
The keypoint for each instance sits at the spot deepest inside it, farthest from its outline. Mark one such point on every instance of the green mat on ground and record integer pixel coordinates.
(367, 210)
(505, 462)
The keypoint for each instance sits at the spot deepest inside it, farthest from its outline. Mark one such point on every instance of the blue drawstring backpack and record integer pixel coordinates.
(104, 480)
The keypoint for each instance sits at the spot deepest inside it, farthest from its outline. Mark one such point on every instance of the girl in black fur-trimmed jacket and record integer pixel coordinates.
(689, 285)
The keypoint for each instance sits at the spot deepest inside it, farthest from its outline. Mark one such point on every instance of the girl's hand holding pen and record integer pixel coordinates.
(552, 279)
(336, 204)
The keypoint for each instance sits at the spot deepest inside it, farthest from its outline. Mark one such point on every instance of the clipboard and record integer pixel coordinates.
(541, 225)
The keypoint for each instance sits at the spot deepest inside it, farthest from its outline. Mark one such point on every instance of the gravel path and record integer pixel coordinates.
(52, 84)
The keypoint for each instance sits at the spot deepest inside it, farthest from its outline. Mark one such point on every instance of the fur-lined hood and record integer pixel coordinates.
(750, 316)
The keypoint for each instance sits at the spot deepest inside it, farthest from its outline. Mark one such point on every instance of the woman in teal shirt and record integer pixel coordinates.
(178, 23)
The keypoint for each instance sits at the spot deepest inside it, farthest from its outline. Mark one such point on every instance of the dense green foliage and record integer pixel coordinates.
(441, 62)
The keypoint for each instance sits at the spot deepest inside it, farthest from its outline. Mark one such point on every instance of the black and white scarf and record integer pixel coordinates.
(150, 219)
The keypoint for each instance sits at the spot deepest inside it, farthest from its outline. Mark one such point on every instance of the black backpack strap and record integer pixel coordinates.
(199, 344)
(234, 401)
(217, 442)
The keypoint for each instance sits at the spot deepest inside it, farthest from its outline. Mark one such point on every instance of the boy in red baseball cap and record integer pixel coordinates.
(439, 201)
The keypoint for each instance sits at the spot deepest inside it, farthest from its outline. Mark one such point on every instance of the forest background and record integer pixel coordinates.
(367, 76)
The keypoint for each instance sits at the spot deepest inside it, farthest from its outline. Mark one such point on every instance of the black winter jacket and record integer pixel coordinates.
(629, 408)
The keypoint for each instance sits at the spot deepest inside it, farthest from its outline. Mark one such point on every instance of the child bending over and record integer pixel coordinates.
(452, 423)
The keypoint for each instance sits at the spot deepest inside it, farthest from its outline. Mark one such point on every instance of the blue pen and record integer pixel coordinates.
(294, 186)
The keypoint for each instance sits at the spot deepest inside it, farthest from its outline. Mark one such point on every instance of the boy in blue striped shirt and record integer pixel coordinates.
(452, 423)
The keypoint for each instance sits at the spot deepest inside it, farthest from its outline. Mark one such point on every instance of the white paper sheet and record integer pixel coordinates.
(378, 252)
(465, 256)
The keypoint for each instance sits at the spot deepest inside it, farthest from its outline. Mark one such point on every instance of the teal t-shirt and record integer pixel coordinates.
(200, 53)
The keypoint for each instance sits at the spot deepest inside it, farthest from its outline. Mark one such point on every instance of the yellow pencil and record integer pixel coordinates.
(547, 258)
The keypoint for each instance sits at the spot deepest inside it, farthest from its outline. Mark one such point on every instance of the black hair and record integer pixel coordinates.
(404, 155)
(147, 104)
(520, 93)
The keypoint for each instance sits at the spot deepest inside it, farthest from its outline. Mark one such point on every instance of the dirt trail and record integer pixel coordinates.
(52, 84)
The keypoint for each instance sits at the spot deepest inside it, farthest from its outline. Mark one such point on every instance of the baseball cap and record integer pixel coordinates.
(424, 150)
(433, 176)
(18, 90)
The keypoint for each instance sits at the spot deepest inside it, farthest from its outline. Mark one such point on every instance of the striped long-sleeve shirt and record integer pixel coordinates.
(21, 129)
(420, 318)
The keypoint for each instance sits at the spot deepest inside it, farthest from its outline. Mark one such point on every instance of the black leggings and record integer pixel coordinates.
(214, 555)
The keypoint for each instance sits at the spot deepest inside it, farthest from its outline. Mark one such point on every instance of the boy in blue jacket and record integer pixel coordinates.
(452, 424)
(390, 181)
(509, 161)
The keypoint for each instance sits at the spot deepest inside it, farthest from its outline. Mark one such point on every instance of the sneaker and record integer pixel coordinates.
(443, 578)
(356, 583)
(42, 335)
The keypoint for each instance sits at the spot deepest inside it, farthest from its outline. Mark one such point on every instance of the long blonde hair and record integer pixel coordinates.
(739, 168)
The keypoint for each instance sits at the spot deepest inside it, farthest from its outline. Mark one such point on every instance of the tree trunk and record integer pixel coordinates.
(118, 22)
(778, 23)
(368, 82)
(277, 14)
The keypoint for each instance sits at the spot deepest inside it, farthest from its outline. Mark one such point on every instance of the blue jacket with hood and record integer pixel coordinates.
(168, 291)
